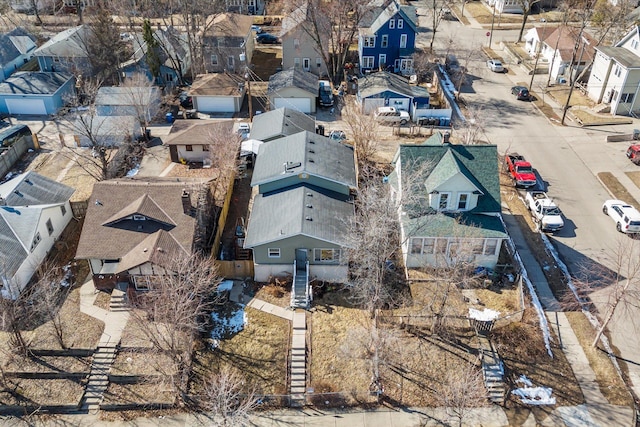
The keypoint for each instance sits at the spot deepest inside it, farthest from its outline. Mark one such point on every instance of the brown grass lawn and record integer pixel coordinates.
(608, 379)
(617, 189)
(135, 362)
(483, 14)
(259, 351)
(42, 392)
(522, 349)
(40, 364)
(635, 177)
(587, 118)
(139, 394)
(561, 93)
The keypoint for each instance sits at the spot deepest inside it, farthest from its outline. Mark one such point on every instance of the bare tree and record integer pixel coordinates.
(15, 318)
(436, 9)
(104, 47)
(224, 145)
(526, 6)
(620, 283)
(47, 296)
(140, 94)
(363, 129)
(174, 312)
(228, 398)
(462, 390)
(473, 127)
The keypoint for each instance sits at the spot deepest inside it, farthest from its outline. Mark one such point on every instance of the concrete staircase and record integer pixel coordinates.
(298, 361)
(118, 301)
(300, 289)
(492, 371)
(98, 380)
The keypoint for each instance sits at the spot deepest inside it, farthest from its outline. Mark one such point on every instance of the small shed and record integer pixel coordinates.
(141, 102)
(35, 93)
(109, 131)
(293, 88)
(383, 89)
(217, 93)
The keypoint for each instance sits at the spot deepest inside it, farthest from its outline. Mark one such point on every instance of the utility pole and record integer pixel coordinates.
(571, 80)
(493, 18)
(539, 49)
(247, 80)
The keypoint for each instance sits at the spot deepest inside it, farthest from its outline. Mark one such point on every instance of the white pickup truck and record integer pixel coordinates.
(545, 212)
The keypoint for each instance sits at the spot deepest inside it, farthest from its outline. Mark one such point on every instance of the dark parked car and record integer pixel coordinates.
(186, 101)
(521, 93)
(266, 38)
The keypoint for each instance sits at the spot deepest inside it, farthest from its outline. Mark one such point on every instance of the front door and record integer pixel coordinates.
(301, 259)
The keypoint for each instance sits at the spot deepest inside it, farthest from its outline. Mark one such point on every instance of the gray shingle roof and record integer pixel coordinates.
(12, 251)
(625, 57)
(381, 81)
(299, 211)
(293, 77)
(120, 95)
(478, 163)
(34, 83)
(317, 155)
(32, 189)
(372, 21)
(281, 122)
(15, 43)
(109, 198)
(70, 43)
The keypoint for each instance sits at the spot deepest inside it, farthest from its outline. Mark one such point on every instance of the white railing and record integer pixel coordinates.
(293, 286)
(309, 295)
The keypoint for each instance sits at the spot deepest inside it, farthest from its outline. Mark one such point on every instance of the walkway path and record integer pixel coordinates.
(597, 411)
(115, 319)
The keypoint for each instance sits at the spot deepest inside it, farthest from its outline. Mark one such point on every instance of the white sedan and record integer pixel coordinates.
(495, 66)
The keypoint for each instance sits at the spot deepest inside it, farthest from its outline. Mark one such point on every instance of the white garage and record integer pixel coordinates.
(214, 104)
(300, 104)
(26, 106)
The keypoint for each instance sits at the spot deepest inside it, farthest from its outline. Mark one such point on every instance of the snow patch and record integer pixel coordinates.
(134, 171)
(227, 323)
(225, 285)
(485, 315)
(533, 395)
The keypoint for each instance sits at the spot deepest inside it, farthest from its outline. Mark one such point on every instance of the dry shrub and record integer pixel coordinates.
(274, 291)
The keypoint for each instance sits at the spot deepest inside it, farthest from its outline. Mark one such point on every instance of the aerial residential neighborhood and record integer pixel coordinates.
(310, 212)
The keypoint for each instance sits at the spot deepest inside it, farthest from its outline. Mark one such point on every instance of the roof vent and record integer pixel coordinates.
(309, 206)
(309, 194)
(160, 250)
(311, 142)
(28, 182)
(17, 193)
(311, 161)
(145, 250)
(288, 166)
(308, 218)
(312, 152)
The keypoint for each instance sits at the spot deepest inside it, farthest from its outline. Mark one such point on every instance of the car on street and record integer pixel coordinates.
(521, 93)
(495, 66)
(266, 38)
(633, 153)
(626, 217)
(243, 130)
(337, 135)
(257, 29)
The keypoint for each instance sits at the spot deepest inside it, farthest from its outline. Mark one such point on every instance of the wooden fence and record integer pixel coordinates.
(239, 269)
(79, 208)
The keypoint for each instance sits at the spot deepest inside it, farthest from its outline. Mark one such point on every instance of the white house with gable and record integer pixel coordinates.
(615, 75)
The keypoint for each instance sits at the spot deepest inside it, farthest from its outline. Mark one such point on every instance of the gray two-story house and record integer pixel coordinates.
(300, 47)
(228, 44)
(298, 223)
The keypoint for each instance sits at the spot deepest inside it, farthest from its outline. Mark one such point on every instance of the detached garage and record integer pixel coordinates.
(35, 93)
(295, 89)
(217, 93)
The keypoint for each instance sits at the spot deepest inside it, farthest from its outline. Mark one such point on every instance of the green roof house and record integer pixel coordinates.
(451, 203)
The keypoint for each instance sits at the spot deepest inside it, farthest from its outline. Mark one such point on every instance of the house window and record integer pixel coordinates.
(617, 70)
(326, 255)
(139, 218)
(296, 43)
(626, 98)
(392, 24)
(443, 202)
(385, 41)
(296, 62)
(423, 245)
(35, 241)
(63, 209)
(403, 41)
(490, 246)
(400, 24)
(318, 62)
(306, 64)
(214, 59)
(463, 201)
(416, 245)
(369, 41)
(273, 252)
(49, 227)
(169, 77)
(189, 148)
(230, 62)
(477, 246)
(441, 246)
(382, 59)
(144, 283)
(367, 62)
(406, 64)
(205, 148)
(634, 44)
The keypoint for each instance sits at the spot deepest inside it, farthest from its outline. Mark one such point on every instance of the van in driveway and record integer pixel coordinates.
(391, 116)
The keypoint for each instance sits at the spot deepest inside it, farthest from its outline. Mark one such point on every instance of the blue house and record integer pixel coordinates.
(383, 89)
(387, 37)
(66, 52)
(16, 49)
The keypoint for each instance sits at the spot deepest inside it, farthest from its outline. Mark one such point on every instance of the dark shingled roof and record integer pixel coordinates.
(293, 77)
(107, 234)
(34, 83)
(281, 122)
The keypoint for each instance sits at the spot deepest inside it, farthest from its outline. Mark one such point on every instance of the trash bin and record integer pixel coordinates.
(636, 134)
(169, 117)
(320, 130)
(148, 133)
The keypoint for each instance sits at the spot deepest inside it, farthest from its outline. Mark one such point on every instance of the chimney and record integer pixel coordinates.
(445, 137)
(186, 202)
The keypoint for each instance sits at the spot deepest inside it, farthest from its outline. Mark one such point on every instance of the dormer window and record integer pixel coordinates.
(443, 201)
(392, 24)
(463, 201)
(400, 24)
(139, 218)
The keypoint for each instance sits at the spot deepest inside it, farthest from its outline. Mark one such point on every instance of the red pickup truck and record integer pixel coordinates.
(520, 170)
